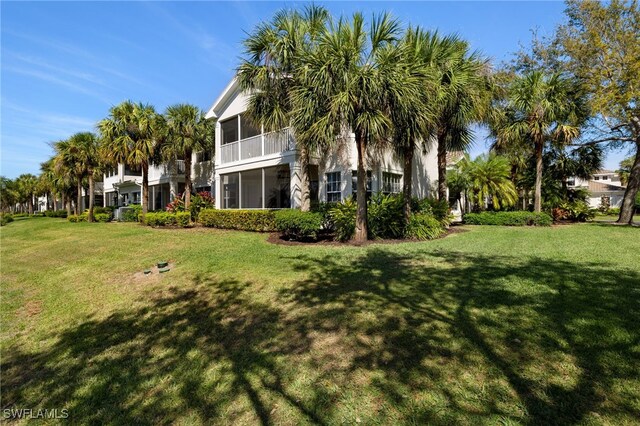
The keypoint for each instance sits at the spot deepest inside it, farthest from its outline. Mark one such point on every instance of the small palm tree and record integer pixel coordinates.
(131, 135)
(27, 185)
(488, 179)
(188, 131)
(541, 110)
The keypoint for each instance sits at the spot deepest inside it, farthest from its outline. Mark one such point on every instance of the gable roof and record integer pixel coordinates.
(224, 97)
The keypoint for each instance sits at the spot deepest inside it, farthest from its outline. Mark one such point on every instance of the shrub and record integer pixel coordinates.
(72, 218)
(343, 219)
(614, 211)
(5, 218)
(518, 218)
(201, 200)
(245, 220)
(160, 219)
(56, 213)
(83, 217)
(575, 211)
(298, 225)
(102, 217)
(132, 214)
(424, 226)
(386, 216)
(183, 219)
(439, 208)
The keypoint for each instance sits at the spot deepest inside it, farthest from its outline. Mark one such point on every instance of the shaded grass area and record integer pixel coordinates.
(494, 325)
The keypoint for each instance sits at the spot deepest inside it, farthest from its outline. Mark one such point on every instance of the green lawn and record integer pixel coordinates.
(490, 326)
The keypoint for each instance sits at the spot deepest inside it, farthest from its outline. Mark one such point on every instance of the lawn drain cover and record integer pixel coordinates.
(163, 264)
(147, 271)
(163, 270)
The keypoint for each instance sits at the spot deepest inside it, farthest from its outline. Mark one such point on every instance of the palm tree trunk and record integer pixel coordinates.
(361, 213)
(442, 167)
(305, 196)
(537, 203)
(187, 179)
(30, 203)
(628, 203)
(91, 196)
(145, 190)
(407, 182)
(79, 199)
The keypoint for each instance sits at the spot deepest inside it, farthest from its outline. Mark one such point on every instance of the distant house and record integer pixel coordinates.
(605, 188)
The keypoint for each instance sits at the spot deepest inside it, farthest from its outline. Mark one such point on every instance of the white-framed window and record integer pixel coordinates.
(354, 183)
(391, 183)
(334, 193)
(596, 178)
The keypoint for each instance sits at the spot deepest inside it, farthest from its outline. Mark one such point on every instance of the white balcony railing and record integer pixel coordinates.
(257, 146)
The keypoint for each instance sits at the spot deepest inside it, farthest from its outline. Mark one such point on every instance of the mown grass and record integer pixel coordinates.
(491, 326)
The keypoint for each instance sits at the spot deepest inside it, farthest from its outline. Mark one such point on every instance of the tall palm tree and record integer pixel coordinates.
(67, 161)
(539, 111)
(131, 135)
(188, 131)
(8, 194)
(348, 78)
(488, 178)
(464, 99)
(271, 72)
(86, 153)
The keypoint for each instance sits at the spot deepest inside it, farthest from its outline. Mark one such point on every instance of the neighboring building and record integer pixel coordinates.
(604, 188)
(43, 203)
(257, 170)
(123, 184)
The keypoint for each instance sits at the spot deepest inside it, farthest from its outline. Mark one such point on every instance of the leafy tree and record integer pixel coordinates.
(27, 187)
(273, 69)
(188, 131)
(537, 112)
(601, 46)
(488, 178)
(131, 135)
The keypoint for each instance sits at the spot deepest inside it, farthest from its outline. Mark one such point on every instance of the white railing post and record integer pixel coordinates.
(262, 140)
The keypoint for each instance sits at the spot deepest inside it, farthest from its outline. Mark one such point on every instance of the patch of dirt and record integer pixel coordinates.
(276, 238)
(32, 308)
(155, 274)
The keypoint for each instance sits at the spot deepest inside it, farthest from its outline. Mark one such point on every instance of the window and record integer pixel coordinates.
(334, 194)
(391, 183)
(605, 177)
(230, 185)
(596, 178)
(247, 129)
(229, 130)
(354, 183)
(203, 156)
(133, 171)
(571, 182)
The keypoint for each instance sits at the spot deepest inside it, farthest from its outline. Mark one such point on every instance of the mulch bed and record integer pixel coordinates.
(276, 238)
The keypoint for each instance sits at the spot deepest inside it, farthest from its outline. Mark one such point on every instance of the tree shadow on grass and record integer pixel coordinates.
(563, 337)
(435, 338)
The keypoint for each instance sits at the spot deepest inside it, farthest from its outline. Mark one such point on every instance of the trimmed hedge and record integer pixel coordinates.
(102, 217)
(183, 219)
(56, 213)
(244, 220)
(298, 225)
(519, 218)
(73, 218)
(424, 226)
(5, 218)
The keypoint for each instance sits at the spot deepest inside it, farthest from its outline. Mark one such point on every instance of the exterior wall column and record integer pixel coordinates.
(217, 190)
(295, 184)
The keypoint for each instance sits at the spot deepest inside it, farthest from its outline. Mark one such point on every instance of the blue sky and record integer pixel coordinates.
(64, 64)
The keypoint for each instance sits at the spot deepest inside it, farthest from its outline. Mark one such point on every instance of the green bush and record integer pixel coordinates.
(16, 215)
(245, 220)
(386, 216)
(183, 219)
(132, 215)
(424, 226)
(298, 225)
(72, 218)
(576, 211)
(518, 218)
(102, 217)
(439, 208)
(56, 213)
(343, 219)
(160, 219)
(614, 211)
(5, 218)
(84, 217)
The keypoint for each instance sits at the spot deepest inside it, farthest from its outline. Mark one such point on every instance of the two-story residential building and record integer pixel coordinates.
(605, 188)
(123, 184)
(255, 169)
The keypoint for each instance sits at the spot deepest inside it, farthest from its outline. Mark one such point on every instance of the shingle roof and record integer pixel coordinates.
(603, 171)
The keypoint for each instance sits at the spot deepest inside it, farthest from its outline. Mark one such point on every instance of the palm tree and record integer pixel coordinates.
(488, 178)
(273, 70)
(464, 98)
(187, 131)
(87, 156)
(67, 161)
(540, 109)
(131, 135)
(27, 185)
(348, 79)
(8, 194)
